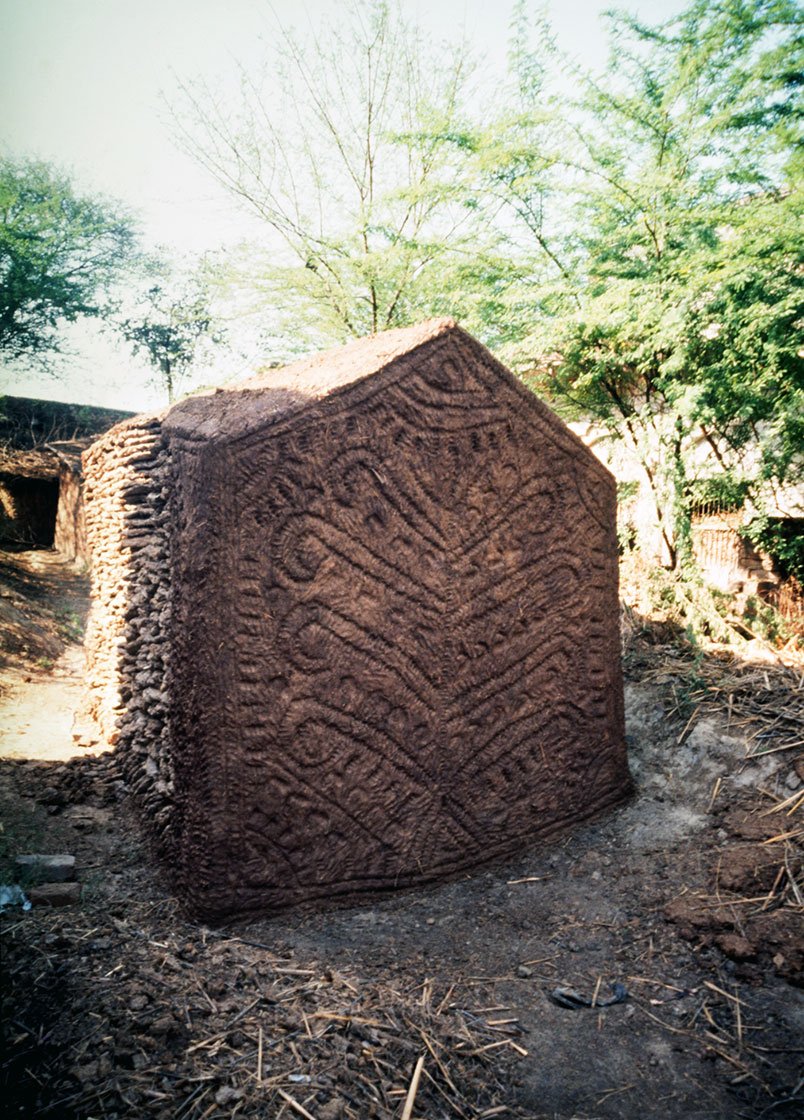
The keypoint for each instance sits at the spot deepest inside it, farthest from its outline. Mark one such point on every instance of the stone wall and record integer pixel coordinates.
(728, 560)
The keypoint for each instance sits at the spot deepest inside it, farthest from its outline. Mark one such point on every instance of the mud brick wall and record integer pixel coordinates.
(127, 520)
(394, 631)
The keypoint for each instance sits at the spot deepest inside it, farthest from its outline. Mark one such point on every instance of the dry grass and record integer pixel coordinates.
(246, 1030)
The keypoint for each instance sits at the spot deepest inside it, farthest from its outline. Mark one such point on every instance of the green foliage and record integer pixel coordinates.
(744, 319)
(70, 626)
(764, 621)
(783, 540)
(172, 323)
(678, 600)
(627, 491)
(690, 311)
(635, 256)
(59, 254)
(722, 492)
(355, 171)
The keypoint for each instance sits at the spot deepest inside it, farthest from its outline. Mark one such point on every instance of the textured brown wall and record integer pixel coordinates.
(70, 535)
(127, 497)
(394, 633)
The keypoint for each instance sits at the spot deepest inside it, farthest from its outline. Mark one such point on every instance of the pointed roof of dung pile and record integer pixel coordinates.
(274, 393)
(318, 375)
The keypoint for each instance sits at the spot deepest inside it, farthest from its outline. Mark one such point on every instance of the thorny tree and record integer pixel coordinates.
(689, 300)
(351, 166)
(59, 253)
(173, 323)
(636, 253)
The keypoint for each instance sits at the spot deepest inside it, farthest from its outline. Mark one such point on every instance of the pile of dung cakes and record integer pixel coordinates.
(127, 504)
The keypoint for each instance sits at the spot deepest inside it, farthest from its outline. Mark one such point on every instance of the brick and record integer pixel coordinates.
(47, 868)
(55, 894)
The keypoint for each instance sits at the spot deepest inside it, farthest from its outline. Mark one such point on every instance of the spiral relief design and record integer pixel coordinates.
(414, 608)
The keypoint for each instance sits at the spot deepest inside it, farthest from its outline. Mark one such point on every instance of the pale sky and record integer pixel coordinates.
(82, 85)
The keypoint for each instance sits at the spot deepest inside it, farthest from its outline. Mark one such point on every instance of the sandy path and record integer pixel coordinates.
(44, 601)
(38, 710)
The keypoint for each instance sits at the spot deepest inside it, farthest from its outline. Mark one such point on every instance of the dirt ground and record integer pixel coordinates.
(689, 897)
(43, 604)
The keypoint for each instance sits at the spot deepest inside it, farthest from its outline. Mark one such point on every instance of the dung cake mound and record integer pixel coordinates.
(372, 635)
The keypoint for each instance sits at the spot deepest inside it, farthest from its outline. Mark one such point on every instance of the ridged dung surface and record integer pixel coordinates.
(391, 649)
(127, 641)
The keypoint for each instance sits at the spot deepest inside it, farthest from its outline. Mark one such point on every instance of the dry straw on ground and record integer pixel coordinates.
(185, 1022)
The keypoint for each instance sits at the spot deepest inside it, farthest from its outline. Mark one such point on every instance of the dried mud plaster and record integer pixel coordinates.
(365, 625)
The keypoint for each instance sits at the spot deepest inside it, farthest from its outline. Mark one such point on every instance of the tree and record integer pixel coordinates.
(59, 254)
(522, 181)
(635, 255)
(690, 292)
(347, 156)
(741, 349)
(173, 323)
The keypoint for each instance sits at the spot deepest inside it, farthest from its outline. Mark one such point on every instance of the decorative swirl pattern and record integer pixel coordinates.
(405, 651)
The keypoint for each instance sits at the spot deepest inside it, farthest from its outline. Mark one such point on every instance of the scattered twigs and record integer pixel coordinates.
(413, 1089)
(762, 701)
(713, 798)
(794, 887)
(789, 805)
(444, 1073)
(688, 725)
